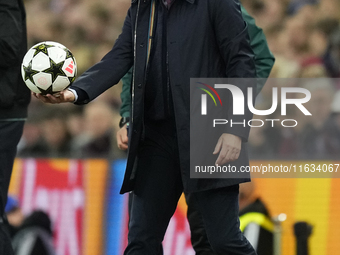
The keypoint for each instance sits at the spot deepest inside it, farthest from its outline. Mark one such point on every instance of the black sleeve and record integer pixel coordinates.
(83, 98)
(234, 44)
(10, 32)
(111, 68)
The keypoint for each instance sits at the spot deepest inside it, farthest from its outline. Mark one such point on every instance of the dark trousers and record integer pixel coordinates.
(157, 190)
(10, 133)
(199, 239)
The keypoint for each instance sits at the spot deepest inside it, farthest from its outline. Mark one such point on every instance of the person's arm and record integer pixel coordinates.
(122, 137)
(232, 37)
(103, 75)
(233, 41)
(10, 33)
(264, 58)
(111, 68)
(125, 95)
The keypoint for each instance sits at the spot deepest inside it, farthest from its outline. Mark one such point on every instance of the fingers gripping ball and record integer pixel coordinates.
(48, 68)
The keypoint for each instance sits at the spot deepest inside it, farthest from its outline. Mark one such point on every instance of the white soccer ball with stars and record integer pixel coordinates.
(48, 68)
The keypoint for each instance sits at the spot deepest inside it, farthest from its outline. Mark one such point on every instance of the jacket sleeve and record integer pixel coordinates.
(114, 65)
(264, 58)
(10, 33)
(125, 95)
(233, 40)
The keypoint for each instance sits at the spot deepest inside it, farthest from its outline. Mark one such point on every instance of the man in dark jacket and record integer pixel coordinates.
(188, 38)
(14, 98)
(264, 61)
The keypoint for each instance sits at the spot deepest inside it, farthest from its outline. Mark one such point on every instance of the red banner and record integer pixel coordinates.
(56, 187)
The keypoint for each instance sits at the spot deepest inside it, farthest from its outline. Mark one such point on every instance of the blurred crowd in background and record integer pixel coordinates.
(304, 36)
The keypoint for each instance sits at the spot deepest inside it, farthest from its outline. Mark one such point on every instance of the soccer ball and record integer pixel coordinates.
(48, 67)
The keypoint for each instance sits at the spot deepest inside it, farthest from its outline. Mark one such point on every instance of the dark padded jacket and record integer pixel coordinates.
(205, 38)
(264, 61)
(14, 95)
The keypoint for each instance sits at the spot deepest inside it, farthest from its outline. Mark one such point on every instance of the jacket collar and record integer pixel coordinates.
(189, 1)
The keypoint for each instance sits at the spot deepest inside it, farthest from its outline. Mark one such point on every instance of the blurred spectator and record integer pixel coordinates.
(336, 109)
(267, 13)
(264, 141)
(284, 68)
(14, 214)
(332, 56)
(312, 67)
(55, 133)
(296, 5)
(298, 33)
(76, 127)
(99, 128)
(31, 143)
(75, 121)
(329, 8)
(332, 127)
(315, 135)
(322, 30)
(31, 235)
(34, 236)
